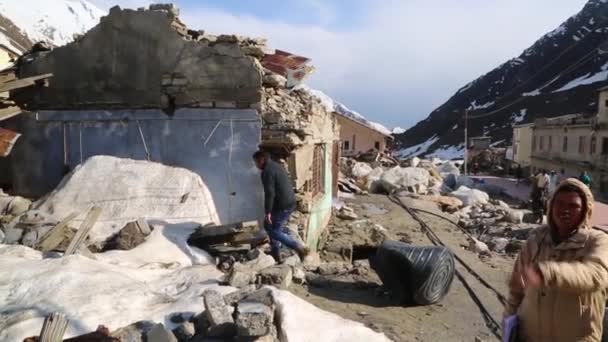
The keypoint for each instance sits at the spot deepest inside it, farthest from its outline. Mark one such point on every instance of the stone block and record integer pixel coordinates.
(253, 319)
(12, 235)
(240, 278)
(218, 314)
(158, 333)
(185, 331)
(234, 297)
(280, 276)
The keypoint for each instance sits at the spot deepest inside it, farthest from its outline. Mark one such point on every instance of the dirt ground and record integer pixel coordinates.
(455, 318)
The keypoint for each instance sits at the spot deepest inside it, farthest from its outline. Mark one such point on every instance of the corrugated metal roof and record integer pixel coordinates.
(8, 139)
(293, 67)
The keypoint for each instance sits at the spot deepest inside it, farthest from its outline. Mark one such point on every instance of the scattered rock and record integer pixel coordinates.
(134, 332)
(219, 315)
(280, 276)
(158, 333)
(332, 268)
(18, 206)
(132, 235)
(292, 261)
(253, 319)
(12, 235)
(299, 276)
(263, 295)
(240, 278)
(399, 177)
(2, 237)
(514, 216)
(361, 170)
(185, 331)
(499, 244)
(234, 297)
(470, 196)
(346, 214)
(274, 80)
(478, 247)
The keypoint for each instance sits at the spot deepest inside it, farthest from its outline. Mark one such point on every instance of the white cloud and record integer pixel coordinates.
(404, 58)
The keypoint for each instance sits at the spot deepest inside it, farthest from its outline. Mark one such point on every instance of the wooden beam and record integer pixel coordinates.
(56, 235)
(53, 328)
(9, 112)
(83, 231)
(22, 82)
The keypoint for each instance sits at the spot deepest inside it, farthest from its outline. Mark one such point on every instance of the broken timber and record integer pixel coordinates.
(55, 236)
(83, 231)
(22, 83)
(8, 139)
(53, 328)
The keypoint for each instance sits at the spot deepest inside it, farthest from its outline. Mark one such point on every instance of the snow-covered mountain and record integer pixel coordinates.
(332, 105)
(559, 74)
(55, 21)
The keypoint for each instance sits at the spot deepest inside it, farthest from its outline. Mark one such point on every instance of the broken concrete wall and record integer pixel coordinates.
(216, 144)
(144, 59)
(294, 122)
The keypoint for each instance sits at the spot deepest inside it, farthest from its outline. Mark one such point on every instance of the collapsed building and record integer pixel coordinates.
(141, 85)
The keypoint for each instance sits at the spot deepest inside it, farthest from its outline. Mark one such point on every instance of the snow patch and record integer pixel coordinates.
(475, 106)
(519, 117)
(448, 152)
(454, 127)
(417, 150)
(398, 130)
(334, 106)
(55, 21)
(494, 144)
(558, 31)
(586, 79)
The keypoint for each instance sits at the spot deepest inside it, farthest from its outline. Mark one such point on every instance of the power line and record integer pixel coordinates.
(545, 67)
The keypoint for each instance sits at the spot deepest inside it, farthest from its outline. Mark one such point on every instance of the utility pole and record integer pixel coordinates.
(466, 141)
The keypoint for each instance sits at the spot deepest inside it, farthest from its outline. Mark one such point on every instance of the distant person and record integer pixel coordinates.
(279, 203)
(557, 289)
(553, 182)
(519, 174)
(536, 198)
(562, 176)
(585, 178)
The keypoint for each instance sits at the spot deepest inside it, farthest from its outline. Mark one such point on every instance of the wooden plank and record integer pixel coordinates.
(56, 235)
(22, 82)
(9, 112)
(53, 328)
(83, 231)
(143, 226)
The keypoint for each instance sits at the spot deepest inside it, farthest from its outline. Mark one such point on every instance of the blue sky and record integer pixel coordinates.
(393, 61)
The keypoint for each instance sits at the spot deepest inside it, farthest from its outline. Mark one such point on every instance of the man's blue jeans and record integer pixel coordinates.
(278, 234)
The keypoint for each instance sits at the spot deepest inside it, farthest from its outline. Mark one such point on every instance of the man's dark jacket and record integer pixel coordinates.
(278, 191)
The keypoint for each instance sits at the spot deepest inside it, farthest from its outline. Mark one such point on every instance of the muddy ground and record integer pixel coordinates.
(361, 298)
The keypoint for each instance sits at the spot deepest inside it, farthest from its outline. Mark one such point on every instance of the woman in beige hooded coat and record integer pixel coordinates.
(559, 281)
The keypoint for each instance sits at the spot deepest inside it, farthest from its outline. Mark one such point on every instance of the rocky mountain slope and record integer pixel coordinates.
(559, 74)
(25, 22)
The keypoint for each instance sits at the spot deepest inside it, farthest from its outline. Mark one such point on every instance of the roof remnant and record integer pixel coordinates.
(8, 139)
(293, 67)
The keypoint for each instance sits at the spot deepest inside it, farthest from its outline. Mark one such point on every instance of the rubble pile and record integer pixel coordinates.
(503, 229)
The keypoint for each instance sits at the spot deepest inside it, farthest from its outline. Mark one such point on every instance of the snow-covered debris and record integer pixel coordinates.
(398, 130)
(470, 196)
(334, 106)
(55, 21)
(127, 190)
(403, 178)
(361, 170)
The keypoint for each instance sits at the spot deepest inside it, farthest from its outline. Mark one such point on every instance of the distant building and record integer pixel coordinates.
(522, 145)
(359, 136)
(480, 143)
(573, 143)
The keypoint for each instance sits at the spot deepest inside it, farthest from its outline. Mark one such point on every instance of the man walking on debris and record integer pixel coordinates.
(279, 203)
(559, 281)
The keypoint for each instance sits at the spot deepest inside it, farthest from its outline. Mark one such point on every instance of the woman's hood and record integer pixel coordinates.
(588, 202)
